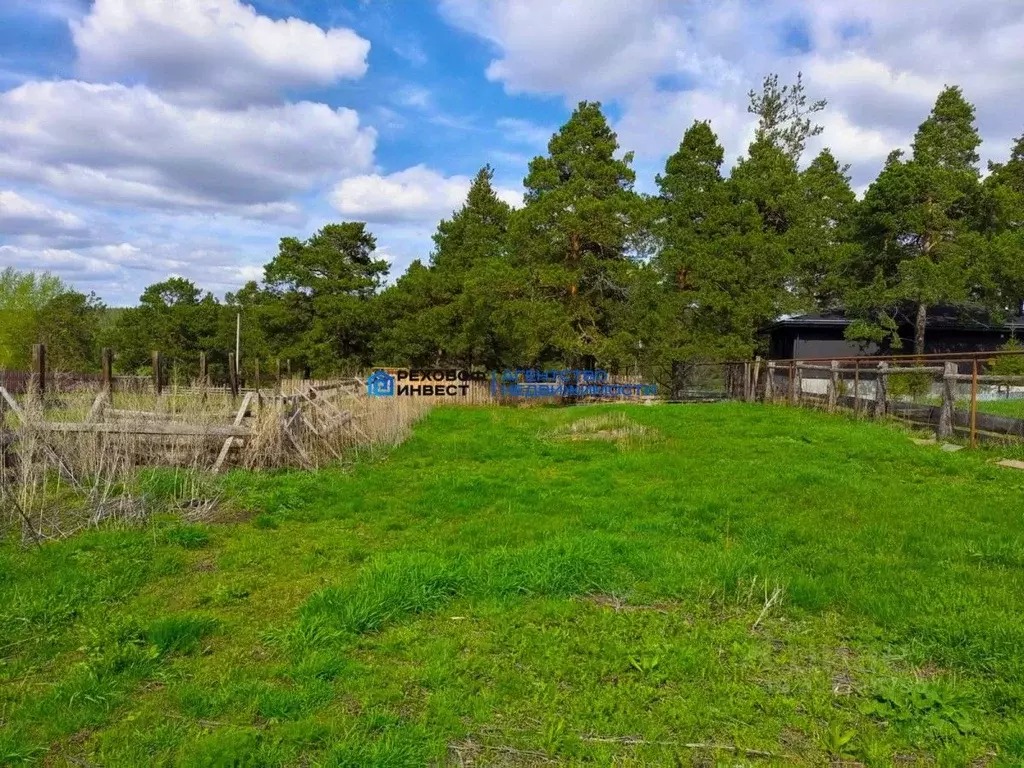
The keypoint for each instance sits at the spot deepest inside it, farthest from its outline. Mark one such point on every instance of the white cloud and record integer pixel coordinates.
(414, 96)
(880, 63)
(20, 217)
(654, 122)
(69, 264)
(597, 48)
(523, 131)
(417, 194)
(212, 51)
(119, 271)
(128, 146)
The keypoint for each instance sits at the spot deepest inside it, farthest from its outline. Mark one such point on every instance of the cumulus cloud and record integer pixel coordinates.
(118, 271)
(654, 122)
(22, 217)
(129, 146)
(212, 51)
(880, 63)
(417, 194)
(597, 48)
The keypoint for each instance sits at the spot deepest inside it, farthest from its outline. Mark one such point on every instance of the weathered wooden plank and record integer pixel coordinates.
(223, 455)
(97, 406)
(226, 448)
(147, 428)
(12, 404)
(988, 379)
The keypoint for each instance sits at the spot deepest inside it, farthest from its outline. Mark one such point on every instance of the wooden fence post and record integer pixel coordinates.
(158, 374)
(232, 374)
(948, 400)
(204, 371)
(882, 390)
(769, 383)
(974, 403)
(833, 386)
(37, 386)
(792, 383)
(107, 370)
(278, 387)
(757, 376)
(799, 385)
(3, 441)
(856, 388)
(746, 381)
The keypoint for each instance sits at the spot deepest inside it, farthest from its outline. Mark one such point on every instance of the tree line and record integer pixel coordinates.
(590, 273)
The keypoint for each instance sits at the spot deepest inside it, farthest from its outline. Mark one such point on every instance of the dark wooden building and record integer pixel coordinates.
(821, 335)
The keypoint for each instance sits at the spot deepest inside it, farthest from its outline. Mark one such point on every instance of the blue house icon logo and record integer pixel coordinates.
(380, 384)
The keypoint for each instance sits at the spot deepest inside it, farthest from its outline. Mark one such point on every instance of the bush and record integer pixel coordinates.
(1007, 365)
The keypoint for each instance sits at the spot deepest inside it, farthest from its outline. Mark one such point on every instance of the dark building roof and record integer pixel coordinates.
(948, 318)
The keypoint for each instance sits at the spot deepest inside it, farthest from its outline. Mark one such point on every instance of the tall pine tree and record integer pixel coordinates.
(916, 224)
(692, 216)
(573, 238)
(826, 249)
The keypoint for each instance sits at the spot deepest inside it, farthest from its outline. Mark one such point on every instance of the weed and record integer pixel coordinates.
(189, 536)
(179, 634)
(266, 521)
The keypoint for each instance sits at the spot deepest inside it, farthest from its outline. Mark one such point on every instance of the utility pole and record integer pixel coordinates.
(238, 345)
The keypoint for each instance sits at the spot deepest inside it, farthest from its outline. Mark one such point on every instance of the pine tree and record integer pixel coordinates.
(1003, 222)
(324, 286)
(759, 255)
(826, 248)
(469, 249)
(785, 115)
(691, 215)
(917, 223)
(573, 237)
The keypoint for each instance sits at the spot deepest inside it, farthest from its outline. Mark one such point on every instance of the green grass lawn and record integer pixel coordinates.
(680, 585)
(1012, 407)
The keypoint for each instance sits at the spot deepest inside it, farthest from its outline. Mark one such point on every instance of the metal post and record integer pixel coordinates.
(974, 403)
(238, 344)
(232, 374)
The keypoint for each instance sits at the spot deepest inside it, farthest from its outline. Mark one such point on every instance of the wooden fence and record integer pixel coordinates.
(865, 388)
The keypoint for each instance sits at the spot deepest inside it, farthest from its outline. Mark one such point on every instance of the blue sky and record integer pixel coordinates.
(145, 138)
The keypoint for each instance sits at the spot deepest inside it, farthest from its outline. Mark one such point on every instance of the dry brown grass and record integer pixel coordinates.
(611, 427)
(58, 482)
